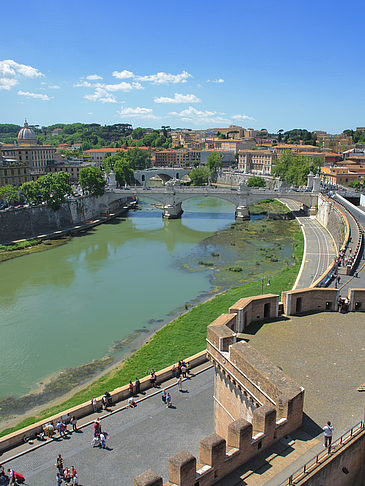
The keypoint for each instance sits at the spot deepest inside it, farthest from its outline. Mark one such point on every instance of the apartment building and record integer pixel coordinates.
(336, 143)
(341, 175)
(231, 145)
(295, 148)
(98, 155)
(71, 167)
(228, 157)
(256, 161)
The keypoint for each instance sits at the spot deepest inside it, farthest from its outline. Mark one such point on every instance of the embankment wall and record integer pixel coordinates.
(31, 222)
(331, 218)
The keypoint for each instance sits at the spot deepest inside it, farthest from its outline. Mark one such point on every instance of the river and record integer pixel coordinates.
(67, 306)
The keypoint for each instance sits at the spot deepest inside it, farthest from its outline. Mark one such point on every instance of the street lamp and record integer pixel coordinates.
(262, 284)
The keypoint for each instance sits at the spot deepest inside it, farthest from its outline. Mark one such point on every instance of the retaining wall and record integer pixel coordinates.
(31, 222)
(332, 219)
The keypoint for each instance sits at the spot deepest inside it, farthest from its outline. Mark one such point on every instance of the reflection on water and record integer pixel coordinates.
(66, 306)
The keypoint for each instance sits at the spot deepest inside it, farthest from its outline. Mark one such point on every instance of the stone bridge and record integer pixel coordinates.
(165, 173)
(172, 196)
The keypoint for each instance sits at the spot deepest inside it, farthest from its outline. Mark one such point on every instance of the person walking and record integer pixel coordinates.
(58, 479)
(102, 440)
(61, 427)
(328, 432)
(137, 386)
(73, 422)
(163, 397)
(183, 369)
(130, 388)
(97, 427)
(179, 383)
(59, 464)
(168, 400)
(74, 478)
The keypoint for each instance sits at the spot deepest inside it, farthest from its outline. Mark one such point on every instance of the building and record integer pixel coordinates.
(256, 161)
(341, 175)
(71, 167)
(295, 148)
(13, 172)
(29, 152)
(235, 145)
(165, 158)
(228, 157)
(336, 143)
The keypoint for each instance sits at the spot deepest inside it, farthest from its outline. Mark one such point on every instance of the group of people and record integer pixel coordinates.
(66, 474)
(343, 304)
(11, 477)
(99, 439)
(61, 426)
(345, 261)
(181, 369)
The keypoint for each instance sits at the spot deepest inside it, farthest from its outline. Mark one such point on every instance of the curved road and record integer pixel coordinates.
(319, 248)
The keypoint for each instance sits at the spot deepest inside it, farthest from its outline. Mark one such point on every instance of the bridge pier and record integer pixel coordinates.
(172, 211)
(242, 213)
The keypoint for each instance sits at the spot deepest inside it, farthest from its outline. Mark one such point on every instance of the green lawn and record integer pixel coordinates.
(179, 339)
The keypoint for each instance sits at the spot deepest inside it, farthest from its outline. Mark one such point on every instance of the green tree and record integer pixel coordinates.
(294, 168)
(214, 162)
(54, 187)
(123, 173)
(199, 176)
(355, 184)
(9, 193)
(256, 181)
(30, 192)
(91, 180)
(138, 159)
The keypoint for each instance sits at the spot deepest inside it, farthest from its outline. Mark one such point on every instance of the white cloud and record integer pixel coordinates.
(123, 86)
(83, 84)
(123, 74)
(90, 113)
(93, 77)
(138, 112)
(101, 95)
(39, 96)
(54, 86)
(242, 117)
(199, 117)
(165, 78)
(178, 98)
(10, 71)
(219, 80)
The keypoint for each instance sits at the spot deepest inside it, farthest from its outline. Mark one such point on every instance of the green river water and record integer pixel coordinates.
(106, 291)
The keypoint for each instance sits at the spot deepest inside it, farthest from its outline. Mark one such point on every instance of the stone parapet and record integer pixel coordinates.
(309, 300)
(255, 309)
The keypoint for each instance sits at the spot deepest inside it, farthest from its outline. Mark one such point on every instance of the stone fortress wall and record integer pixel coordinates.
(31, 222)
(255, 404)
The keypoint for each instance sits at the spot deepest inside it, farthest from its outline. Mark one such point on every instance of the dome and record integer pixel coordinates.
(26, 135)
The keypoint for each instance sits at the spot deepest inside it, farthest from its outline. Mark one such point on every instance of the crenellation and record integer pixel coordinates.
(182, 469)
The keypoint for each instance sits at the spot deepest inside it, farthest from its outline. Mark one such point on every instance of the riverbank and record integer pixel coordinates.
(182, 337)
(27, 247)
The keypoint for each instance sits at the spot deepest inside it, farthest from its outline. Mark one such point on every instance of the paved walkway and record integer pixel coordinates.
(319, 247)
(138, 439)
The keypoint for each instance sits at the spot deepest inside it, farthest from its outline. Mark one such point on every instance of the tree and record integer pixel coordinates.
(355, 184)
(138, 159)
(54, 187)
(30, 192)
(294, 168)
(91, 180)
(199, 176)
(214, 161)
(256, 181)
(9, 193)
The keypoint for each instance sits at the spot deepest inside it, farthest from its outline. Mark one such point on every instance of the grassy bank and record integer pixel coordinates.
(26, 247)
(180, 338)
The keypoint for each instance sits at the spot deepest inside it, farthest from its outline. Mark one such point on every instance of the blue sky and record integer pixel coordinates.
(195, 64)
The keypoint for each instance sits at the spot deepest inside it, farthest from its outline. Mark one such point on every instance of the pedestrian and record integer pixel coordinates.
(179, 383)
(163, 397)
(188, 367)
(11, 476)
(153, 378)
(67, 475)
(328, 431)
(74, 478)
(73, 422)
(97, 427)
(130, 388)
(104, 402)
(59, 464)
(137, 386)
(102, 440)
(183, 369)
(61, 427)
(109, 400)
(58, 479)
(168, 400)
(96, 441)
(94, 404)
(339, 303)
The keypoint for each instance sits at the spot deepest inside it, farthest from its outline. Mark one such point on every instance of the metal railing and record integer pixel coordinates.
(324, 456)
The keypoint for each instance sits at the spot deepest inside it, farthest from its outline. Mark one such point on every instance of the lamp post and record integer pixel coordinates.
(262, 284)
